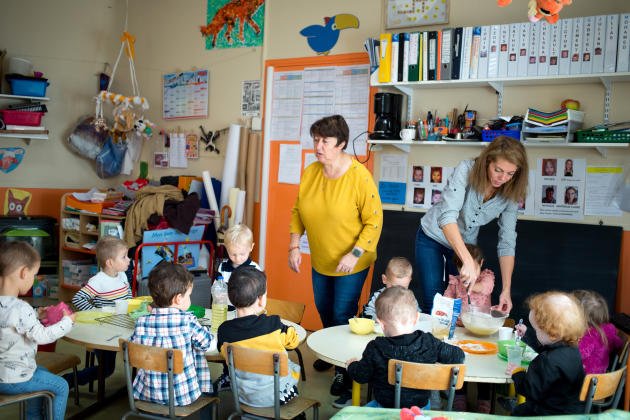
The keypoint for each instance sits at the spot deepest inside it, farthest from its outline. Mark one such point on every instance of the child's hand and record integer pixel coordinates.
(69, 314)
(354, 359)
(41, 312)
(520, 329)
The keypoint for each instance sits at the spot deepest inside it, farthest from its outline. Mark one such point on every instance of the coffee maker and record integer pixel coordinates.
(388, 110)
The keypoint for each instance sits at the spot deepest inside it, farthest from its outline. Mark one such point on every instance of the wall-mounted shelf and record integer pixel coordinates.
(27, 98)
(405, 146)
(498, 85)
(27, 135)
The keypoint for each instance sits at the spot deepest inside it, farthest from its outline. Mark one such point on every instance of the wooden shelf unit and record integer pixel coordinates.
(76, 250)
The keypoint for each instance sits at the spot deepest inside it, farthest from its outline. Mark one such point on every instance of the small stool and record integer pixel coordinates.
(60, 362)
(6, 399)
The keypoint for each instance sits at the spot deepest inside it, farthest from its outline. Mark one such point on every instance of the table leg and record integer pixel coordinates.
(356, 393)
(100, 392)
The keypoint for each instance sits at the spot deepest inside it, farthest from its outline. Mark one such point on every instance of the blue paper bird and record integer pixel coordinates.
(323, 38)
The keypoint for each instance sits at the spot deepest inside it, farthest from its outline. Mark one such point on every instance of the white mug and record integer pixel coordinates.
(505, 333)
(407, 134)
(121, 306)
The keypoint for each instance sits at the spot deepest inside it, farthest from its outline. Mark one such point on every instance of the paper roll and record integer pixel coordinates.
(230, 166)
(240, 207)
(232, 200)
(212, 200)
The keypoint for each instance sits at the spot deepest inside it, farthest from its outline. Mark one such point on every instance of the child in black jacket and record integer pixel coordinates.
(397, 312)
(551, 385)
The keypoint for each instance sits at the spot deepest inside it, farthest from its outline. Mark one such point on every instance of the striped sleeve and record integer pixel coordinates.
(83, 299)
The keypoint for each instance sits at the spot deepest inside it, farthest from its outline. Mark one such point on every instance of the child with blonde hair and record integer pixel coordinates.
(397, 273)
(21, 332)
(397, 312)
(601, 339)
(552, 383)
(239, 243)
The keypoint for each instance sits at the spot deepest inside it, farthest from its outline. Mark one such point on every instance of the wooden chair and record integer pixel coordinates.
(621, 358)
(291, 311)
(264, 362)
(6, 399)
(426, 376)
(602, 389)
(60, 362)
(162, 360)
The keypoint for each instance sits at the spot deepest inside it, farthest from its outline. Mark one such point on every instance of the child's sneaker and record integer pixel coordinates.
(338, 386)
(222, 384)
(344, 400)
(459, 403)
(483, 406)
(508, 404)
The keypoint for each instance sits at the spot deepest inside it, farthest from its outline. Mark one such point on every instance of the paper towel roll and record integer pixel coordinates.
(232, 200)
(231, 164)
(212, 200)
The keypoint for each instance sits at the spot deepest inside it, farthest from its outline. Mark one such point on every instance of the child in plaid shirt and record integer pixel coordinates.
(170, 326)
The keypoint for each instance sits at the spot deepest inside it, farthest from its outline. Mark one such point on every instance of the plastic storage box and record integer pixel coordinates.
(489, 135)
(10, 116)
(27, 86)
(603, 136)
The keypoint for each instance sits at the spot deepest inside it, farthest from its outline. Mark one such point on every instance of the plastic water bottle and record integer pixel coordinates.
(220, 301)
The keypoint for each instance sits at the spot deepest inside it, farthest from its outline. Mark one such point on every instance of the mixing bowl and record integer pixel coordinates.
(480, 321)
(361, 326)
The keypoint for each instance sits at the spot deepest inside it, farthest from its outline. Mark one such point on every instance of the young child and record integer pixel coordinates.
(170, 326)
(551, 385)
(21, 332)
(397, 312)
(397, 273)
(480, 293)
(247, 290)
(239, 243)
(601, 339)
(103, 290)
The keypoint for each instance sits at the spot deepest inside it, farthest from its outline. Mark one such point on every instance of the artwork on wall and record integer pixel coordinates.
(16, 202)
(234, 23)
(405, 13)
(185, 94)
(322, 38)
(10, 158)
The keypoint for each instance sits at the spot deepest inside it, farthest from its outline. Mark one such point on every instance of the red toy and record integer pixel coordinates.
(538, 9)
(53, 314)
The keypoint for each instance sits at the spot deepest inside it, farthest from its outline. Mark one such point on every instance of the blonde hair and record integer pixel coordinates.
(107, 247)
(17, 254)
(559, 315)
(238, 234)
(399, 267)
(396, 304)
(595, 310)
(502, 148)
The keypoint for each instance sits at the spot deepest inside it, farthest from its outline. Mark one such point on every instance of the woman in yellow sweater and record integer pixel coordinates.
(339, 207)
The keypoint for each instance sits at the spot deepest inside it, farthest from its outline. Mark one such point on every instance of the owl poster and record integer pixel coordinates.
(234, 24)
(16, 202)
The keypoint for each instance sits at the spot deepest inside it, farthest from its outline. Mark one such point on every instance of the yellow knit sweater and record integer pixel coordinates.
(338, 214)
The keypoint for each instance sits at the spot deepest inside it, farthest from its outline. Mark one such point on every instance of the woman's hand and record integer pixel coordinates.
(469, 273)
(347, 263)
(505, 301)
(295, 259)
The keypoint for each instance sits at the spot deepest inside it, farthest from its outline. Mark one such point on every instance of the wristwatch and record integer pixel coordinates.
(357, 252)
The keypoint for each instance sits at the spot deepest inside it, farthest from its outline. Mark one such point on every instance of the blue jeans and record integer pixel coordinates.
(337, 297)
(432, 259)
(42, 380)
(105, 357)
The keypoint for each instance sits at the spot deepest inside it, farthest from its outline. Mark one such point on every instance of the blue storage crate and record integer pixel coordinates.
(28, 86)
(489, 135)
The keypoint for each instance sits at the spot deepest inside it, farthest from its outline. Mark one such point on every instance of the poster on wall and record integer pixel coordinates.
(425, 185)
(560, 187)
(250, 98)
(405, 13)
(185, 95)
(234, 24)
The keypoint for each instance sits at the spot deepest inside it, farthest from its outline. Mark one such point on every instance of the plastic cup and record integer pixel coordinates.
(122, 306)
(440, 328)
(514, 358)
(505, 333)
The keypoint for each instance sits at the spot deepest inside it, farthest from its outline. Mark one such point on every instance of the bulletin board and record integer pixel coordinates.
(277, 199)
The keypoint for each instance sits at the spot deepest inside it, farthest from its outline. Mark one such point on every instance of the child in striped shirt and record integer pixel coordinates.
(107, 286)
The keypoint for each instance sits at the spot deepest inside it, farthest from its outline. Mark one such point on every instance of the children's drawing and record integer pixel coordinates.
(10, 158)
(404, 13)
(16, 202)
(322, 38)
(222, 17)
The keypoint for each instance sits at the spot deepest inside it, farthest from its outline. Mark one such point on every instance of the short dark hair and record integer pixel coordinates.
(166, 281)
(332, 126)
(17, 254)
(475, 252)
(247, 283)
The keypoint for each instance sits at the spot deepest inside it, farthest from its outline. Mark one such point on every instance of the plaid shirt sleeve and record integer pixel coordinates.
(176, 329)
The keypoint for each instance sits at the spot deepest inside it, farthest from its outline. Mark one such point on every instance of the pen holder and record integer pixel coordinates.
(433, 137)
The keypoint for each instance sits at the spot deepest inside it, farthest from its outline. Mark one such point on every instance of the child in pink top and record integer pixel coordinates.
(481, 291)
(601, 339)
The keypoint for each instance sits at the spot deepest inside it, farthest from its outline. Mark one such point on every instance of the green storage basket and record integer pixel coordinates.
(603, 136)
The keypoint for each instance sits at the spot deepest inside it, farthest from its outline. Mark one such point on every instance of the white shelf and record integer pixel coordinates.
(28, 98)
(27, 137)
(406, 145)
